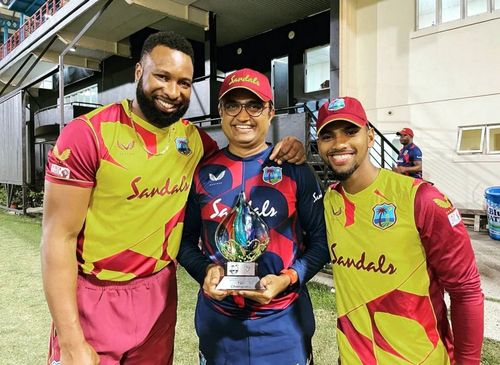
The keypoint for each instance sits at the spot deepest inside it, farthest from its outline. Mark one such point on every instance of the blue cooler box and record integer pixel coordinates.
(492, 196)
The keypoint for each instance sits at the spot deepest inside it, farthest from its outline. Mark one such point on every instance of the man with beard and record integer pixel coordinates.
(396, 245)
(117, 183)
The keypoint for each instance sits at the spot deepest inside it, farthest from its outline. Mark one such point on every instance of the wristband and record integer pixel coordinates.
(292, 275)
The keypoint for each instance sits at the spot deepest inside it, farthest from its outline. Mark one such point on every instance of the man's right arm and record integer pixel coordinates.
(65, 208)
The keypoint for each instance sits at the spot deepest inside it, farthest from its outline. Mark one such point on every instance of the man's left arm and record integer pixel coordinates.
(451, 257)
(310, 211)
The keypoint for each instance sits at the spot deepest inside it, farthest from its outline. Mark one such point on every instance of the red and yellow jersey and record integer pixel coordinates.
(391, 245)
(140, 176)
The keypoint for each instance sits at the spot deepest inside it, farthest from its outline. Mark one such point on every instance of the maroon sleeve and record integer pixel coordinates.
(451, 258)
(209, 145)
(74, 159)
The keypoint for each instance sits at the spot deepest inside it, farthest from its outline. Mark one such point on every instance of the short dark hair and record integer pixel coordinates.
(168, 39)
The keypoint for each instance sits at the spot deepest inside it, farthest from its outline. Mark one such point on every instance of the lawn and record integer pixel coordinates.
(24, 319)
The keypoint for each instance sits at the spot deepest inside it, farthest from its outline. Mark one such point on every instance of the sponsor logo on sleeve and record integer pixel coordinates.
(316, 197)
(60, 171)
(454, 217)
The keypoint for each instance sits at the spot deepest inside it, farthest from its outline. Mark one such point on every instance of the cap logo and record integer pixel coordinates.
(247, 78)
(336, 105)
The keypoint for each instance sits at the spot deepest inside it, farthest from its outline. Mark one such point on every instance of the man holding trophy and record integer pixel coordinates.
(262, 238)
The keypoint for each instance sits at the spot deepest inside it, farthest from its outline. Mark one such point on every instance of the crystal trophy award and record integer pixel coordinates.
(241, 238)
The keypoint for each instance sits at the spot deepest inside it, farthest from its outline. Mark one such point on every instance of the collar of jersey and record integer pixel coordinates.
(261, 155)
(363, 194)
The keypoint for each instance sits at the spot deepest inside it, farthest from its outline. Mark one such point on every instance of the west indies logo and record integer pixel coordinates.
(384, 215)
(272, 175)
(182, 145)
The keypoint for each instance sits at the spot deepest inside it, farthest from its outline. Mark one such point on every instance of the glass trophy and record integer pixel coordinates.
(241, 238)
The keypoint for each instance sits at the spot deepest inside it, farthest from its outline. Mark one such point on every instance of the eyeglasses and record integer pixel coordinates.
(254, 109)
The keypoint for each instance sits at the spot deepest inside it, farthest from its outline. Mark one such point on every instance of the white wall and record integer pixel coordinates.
(433, 81)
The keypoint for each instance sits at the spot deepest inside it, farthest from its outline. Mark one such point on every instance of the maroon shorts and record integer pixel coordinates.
(130, 322)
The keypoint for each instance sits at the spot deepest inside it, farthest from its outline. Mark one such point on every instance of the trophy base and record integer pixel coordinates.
(239, 283)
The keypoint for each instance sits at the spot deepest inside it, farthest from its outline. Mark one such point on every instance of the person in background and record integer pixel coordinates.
(409, 161)
(273, 325)
(117, 182)
(397, 244)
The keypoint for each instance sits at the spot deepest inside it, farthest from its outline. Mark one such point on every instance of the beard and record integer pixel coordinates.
(341, 175)
(153, 115)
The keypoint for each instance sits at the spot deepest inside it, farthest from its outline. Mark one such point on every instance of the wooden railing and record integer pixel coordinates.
(30, 25)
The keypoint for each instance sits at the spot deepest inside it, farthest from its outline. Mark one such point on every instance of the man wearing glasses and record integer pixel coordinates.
(276, 323)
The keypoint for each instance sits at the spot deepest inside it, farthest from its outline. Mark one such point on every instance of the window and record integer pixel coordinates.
(426, 13)
(434, 12)
(86, 95)
(47, 84)
(475, 7)
(493, 140)
(470, 139)
(451, 10)
(317, 69)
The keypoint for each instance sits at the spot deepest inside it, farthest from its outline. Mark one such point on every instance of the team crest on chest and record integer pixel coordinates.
(182, 145)
(272, 175)
(384, 215)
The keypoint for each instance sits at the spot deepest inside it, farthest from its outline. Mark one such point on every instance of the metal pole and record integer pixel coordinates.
(24, 64)
(334, 48)
(382, 154)
(21, 26)
(37, 60)
(66, 50)
(15, 74)
(24, 151)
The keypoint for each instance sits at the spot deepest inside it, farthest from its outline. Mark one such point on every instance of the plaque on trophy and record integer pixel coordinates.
(241, 238)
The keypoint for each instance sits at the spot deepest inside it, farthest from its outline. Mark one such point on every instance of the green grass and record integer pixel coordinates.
(25, 321)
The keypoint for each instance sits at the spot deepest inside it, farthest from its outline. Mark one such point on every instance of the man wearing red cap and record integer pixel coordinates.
(409, 161)
(273, 325)
(396, 245)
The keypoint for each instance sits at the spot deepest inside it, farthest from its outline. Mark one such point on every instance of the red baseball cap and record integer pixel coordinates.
(342, 108)
(249, 79)
(405, 131)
